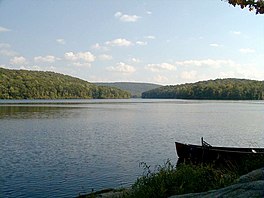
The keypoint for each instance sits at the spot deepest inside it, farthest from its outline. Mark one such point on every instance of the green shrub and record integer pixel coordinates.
(168, 180)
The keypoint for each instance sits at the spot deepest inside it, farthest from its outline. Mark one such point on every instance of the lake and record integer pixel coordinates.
(60, 148)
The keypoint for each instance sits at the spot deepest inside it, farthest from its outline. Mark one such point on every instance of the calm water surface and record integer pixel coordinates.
(65, 147)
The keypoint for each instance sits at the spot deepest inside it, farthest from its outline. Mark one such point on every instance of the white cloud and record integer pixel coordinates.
(150, 37)
(80, 59)
(188, 75)
(149, 12)
(18, 60)
(214, 45)
(97, 46)
(118, 14)
(160, 79)
(206, 62)
(61, 41)
(247, 71)
(252, 73)
(212, 69)
(122, 68)
(126, 18)
(236, 32)
(105, 57)
(79, 56)
(160, 67)
(3, 29)
(2, 66)
(78, 64)
(119, 42)
(47, 59)
(135, 60)
(241, 71)
(141, 43)
(246, 50)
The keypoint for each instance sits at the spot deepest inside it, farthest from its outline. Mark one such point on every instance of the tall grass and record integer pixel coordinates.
(168, 180)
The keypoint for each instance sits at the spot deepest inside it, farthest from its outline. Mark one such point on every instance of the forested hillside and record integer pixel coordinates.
(24, 84)
(219, 89)
(136, 89)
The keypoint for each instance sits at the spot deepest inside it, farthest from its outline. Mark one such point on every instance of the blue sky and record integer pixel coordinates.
(164, 42)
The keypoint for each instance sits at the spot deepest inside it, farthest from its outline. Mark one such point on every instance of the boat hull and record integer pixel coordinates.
(195, 154)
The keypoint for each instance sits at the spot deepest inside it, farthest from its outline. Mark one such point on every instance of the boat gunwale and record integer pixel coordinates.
(239, 150)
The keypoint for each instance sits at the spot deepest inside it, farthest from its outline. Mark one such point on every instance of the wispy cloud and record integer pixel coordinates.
(246, 50)
(243, 71)
(135, 60)
(18, 60)
(141, 43)
(150, 37)
(79, 64)
(126, 18)
(105, 57)
(61, 41)
(160, 79)
(206, 62)
(79, 56)
(3, 29)
(122, 68)
(47, 59)
(97, 46)
(214, 45)
(188, 75)
(121, 42)
(5, 50)
(236, 32)
(160, 67)
(148, 12)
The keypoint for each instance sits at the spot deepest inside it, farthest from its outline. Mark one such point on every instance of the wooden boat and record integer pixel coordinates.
(206, 153)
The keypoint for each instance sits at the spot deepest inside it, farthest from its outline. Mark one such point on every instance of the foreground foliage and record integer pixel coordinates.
(219, 89)
(168, 180)
(257, 5)
(24, 84)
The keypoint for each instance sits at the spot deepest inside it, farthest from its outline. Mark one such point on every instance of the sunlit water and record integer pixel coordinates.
(63, 148)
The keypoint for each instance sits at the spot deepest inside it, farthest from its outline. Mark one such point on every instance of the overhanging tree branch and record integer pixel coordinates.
(257, 5)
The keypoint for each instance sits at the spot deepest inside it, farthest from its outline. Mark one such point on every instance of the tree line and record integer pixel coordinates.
(136, 89)
(24, 84)
(219, 89)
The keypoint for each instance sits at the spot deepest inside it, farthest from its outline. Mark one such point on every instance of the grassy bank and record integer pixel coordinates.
(167, 179)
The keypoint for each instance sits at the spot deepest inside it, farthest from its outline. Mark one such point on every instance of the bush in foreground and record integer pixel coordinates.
(168, 180)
